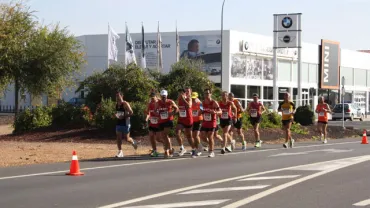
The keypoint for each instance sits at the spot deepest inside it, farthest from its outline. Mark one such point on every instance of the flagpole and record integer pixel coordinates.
(108, 47)
(158, 47)
(124, 61)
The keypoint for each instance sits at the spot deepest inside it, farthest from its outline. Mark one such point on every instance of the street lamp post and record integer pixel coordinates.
(222, 41)
(343, 82)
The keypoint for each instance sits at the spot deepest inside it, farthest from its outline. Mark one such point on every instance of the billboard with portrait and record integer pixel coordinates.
(204, 47)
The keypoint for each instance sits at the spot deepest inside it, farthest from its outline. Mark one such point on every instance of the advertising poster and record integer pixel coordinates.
(250, 67)
(204, 47)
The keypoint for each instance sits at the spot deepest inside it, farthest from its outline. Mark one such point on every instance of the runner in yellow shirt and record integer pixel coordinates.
(287, 108)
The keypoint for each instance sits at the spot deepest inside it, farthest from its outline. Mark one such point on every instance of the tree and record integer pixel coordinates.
(37, 59)
(187, 73)
(132, 81)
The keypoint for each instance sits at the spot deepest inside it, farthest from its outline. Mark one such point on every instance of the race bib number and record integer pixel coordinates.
(164, 115)
(321, 114)
(253, 113)
(207, 117)
(195, 113)
(225, 115)
(287, 112)
(120, 113)
(182, 113)
(154, 120)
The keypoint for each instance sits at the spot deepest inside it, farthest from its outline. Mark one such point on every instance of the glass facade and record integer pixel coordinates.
(348, 74)
(284, 70)
(253, 89)
(238, 90)
(360, 77)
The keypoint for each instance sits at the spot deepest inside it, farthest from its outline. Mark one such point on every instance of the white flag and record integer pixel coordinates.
(143, 58)
(112, 46)
(177, 45)
(159, 50)
(130, 53)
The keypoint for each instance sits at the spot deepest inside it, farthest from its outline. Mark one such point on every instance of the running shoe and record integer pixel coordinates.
(182, 151)
(120, 154)
(291, 143)
(211, 154)
(154, 154)
(228, 149)
(285, 145)
(325, 141)
(244, 146)
(223, 151)
(193, 154)
(134, 144)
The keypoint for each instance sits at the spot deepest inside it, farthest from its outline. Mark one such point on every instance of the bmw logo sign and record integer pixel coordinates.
(286, 39)
(218, 41)
(246, 46)
(287, 22)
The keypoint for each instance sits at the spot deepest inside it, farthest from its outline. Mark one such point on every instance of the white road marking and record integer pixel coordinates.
(211, 190)
(269, 178)
(306, 152)
(255, 197)
(182, 204)
(159, 161)
(362, 203)
(175, 191)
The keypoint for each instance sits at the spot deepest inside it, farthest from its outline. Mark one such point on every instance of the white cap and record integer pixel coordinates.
(164, 93)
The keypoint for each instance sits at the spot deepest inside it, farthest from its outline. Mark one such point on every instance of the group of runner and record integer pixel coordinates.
(200, 121)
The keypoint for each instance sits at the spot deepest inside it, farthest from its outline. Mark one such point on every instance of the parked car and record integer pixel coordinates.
(77, 101)
(351, 111)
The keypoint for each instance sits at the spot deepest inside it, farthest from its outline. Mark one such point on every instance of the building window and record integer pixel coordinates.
(312, 73)
(238, 90)
(348, 74)
(284, 70)
(304, 71)
(268, 93)
(360, 77)
(253, 89)
(267, 69)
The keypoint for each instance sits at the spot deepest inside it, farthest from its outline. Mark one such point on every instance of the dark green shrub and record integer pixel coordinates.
(104, 115)
(304, 116)
(32, 119)
(66, 114)
(138, 119)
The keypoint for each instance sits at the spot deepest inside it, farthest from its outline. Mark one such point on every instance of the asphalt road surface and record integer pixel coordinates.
(310, 175)
(355, 124)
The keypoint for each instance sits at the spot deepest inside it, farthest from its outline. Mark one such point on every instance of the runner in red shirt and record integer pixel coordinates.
(185, 120)
(226, 119)
(255, 110)
(210, 111)
(197, 108)
(322, 109)
(167, 109)
(153, 119)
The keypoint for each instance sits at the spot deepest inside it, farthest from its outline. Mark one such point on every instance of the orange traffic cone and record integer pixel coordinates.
(75, 167)
(364, 138)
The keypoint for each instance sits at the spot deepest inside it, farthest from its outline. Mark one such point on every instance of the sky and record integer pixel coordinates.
(346, 21)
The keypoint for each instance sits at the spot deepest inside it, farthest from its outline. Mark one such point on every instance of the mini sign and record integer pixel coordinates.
(329, 65)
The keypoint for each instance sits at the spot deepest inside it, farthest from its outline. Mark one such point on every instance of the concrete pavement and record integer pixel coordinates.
(200, 182)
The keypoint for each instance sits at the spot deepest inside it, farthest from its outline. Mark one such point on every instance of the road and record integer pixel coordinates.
(355, 124)
(309, 175)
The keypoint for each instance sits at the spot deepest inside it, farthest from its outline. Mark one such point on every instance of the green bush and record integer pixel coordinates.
(104, 115)
(66, 114)
(32, 119)
(304, 116)
(138, 119)
(271, 120)
(298, 129)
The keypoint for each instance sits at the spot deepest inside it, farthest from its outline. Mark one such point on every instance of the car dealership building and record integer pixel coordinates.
(246, 62)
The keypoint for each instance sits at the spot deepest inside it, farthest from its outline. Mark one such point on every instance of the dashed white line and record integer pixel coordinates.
(212, 190)
(291, 183)
(183, 204)
(269, 178)
(362, 203)
(175, 191)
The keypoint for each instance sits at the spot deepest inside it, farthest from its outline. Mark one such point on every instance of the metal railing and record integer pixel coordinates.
(11, 108)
